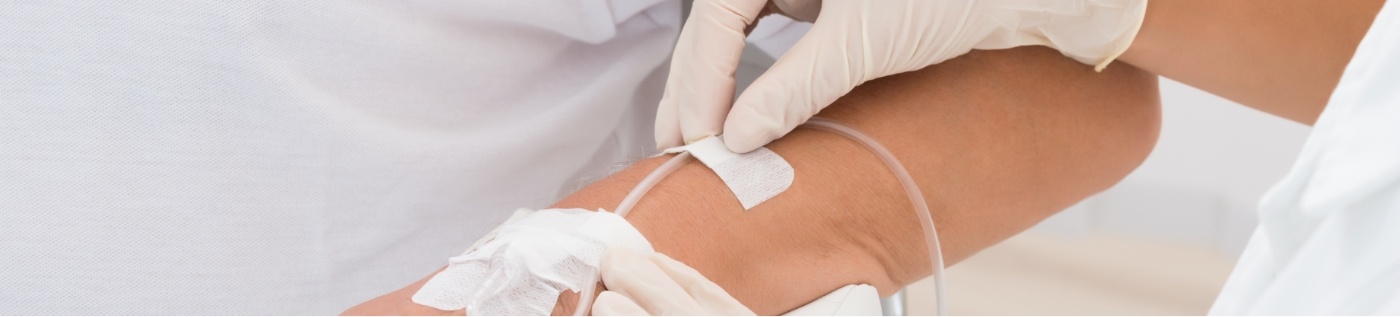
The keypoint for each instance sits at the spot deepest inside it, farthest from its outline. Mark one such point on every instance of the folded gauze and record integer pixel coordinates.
(521, 267)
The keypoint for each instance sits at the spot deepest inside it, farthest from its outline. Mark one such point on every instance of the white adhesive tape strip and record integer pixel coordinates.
(753, 177)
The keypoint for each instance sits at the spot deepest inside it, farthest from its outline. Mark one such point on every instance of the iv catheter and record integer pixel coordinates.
(911, 189)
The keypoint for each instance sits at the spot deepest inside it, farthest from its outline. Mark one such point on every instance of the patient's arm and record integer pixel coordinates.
(996, 140)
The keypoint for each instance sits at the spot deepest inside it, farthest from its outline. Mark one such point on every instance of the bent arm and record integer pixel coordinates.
(994, 148)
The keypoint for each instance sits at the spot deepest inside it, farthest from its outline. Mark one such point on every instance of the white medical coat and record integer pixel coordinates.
(297, 157)
(1328, 241)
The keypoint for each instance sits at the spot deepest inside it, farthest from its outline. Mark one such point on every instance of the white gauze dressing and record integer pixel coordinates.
(753, 177)
(521, 267)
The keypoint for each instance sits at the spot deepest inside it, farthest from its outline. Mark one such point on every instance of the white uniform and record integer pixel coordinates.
(1328, 241)
(297, 157)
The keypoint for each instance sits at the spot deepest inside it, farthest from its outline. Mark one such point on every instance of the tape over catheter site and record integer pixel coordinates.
(524, 265)
(521, 267)
(753, 177)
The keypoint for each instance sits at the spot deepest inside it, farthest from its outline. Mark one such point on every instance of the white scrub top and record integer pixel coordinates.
(297, 157)
(1328, 241)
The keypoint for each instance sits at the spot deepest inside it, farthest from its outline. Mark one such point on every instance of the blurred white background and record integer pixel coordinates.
(1161, 242)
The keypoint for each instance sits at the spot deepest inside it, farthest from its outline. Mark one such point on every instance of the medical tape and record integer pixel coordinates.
(753, 177)
(521, 267)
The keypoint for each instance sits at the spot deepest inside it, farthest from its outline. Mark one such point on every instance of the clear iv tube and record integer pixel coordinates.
(911, 189)
(650, 181)
(585, 297)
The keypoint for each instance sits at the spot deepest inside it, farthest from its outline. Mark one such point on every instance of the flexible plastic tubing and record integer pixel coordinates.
(585, 298)
(650, 181)
(911, 189)
(916, 198)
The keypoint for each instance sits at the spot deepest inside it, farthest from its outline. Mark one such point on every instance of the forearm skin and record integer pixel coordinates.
(797, 245)
(991, 163)
(996, 140)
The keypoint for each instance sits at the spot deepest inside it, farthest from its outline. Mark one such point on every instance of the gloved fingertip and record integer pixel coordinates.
(620, 261)
(743, 134)
(671, 265)
(606, 296)
(611, 303)
(667, 137)
(699, 137)
(663, 256)
(613, 256)
(758, 117)
(740, 144)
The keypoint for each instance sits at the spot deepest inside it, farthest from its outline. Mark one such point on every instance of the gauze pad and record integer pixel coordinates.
(523, 266)
(753, 177)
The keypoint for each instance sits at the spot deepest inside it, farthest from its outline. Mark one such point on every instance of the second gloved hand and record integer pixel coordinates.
(656, 285)
(854, 41)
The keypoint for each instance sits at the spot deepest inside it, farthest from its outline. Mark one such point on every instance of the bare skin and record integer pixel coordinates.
(1280, 57)
(994, 149)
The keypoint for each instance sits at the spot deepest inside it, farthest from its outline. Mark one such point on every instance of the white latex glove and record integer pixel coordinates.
(854, 41)
(656, 285)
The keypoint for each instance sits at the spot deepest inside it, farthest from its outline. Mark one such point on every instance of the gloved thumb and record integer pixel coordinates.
(816, 71)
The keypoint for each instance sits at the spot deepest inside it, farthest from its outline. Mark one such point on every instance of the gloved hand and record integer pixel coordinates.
(654, 285)
(855, 41)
